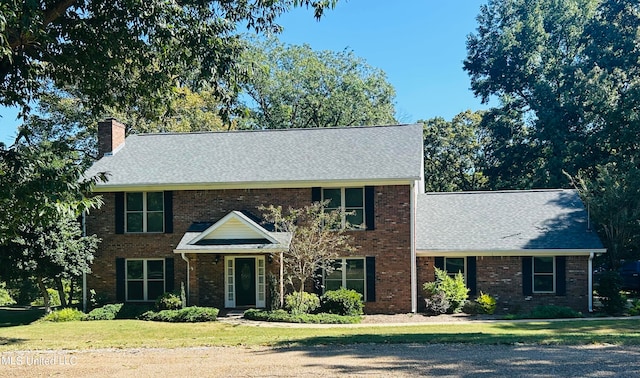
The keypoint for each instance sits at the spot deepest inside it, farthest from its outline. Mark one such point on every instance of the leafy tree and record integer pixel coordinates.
(453, 153)
(116, 51)
(294, 86)
(316, 241)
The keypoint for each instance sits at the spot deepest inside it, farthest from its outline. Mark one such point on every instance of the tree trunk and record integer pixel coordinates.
(71, 290)
(63, 300)
(45, 294)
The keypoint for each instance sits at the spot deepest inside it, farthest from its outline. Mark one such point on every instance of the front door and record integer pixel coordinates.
(245, 281)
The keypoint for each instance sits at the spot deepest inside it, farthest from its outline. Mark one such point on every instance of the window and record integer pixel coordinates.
(145, 279)
(455, 265)
(544, 274)
(348, 273)
(144, 212)
(346, 200)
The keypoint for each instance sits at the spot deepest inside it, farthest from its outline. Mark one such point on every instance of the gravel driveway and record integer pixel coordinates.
(369, 360)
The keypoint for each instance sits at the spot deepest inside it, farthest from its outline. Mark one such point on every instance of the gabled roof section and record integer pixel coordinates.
(530, 221)
(268, 158)
(234, 233)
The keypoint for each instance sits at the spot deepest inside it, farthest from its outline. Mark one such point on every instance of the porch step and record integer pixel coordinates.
(232, 313)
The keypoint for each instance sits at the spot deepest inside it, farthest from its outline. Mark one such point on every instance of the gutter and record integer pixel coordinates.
(590, 282)
(188, 268)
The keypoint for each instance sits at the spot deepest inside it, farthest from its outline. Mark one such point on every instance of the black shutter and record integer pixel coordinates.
(316, 194)
(439, 263)
(317, 282)
(168, 212)
(371, 279)
(120, 283)
(120, 213)
(471, 275)
(169, 276)
(527, 279)
(369, 207)
(561, 275)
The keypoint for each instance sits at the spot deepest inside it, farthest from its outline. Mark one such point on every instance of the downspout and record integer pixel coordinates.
(414, 274)
(84, 274)
(590, 284)
(188, 268)
(281, 279)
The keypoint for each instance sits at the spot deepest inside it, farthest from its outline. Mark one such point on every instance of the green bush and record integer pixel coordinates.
(106, 312)
(284, 316)
(64, 315)
(168, 301)
(192, 314)
(133, 310)
(613, 302)
(634, 310)
(301, 302)
(5, 297)
(273, 287)
(453, 289)
(487, 303)
(54, 299)
(553, 312)
(472, 308)
(342, 302)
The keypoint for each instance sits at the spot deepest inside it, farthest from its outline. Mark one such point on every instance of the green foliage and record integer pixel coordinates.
(296, 87)
(284, 316)
(553, 312)
(301, 302)
(453, 290)
(342, 302)
(133, 310)
(23, 290)
(97, 299)
(609, 290)
(106, 312)
(168, 301)
(64, 315)
(487, 303)
(634, 310)
(192, 314)
(472, 308)
(54, 299)
(273, 288)
(5, 297)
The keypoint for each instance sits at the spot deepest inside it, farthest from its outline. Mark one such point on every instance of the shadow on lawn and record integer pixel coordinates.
(19, 315)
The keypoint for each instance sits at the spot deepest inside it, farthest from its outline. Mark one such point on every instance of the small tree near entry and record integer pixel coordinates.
(316, 240)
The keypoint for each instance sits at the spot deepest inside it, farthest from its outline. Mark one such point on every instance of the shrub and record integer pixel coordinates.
(437, 304)
(284, 316)
(613, 302)
(5, 297)
(192, 314)
(487, 303)
(64, 315)
(168, 301)
(106, 312)
(453, 289)
(553, 312)
(274, 292)
(133, 310)
(54, 299)
(301, 302)
(472, 308)
(342, 302)
(634, 310)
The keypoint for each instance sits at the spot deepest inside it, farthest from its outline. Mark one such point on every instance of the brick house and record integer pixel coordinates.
(183, 208)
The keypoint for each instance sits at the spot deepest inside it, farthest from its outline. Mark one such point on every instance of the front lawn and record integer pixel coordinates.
(137, 334)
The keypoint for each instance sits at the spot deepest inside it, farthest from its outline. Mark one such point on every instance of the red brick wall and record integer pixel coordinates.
(501, 277)
(389, 242)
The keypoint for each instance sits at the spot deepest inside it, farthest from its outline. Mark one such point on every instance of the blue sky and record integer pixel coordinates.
(419, 44)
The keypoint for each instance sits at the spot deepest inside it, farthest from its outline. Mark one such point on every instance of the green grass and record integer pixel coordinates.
(136, 334)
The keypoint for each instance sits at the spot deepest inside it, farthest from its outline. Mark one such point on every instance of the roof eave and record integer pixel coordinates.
(511, 252)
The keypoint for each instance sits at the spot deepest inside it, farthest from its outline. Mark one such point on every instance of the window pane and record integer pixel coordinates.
(543, 283)
(454, 265)
(134, 201)
(355, 269)
(333, 195)
(543, 264)
(356, 218)
(354, 197)
(332, 285)
(135, 291)
(134, 269)
(155, 222)
(336, 273)
(134, 222)
(155, 201)
(154, 290)
(155, 269)
(357, 285)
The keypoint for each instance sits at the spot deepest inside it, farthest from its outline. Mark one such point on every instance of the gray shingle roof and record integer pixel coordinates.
(503, 221)
(274, 156)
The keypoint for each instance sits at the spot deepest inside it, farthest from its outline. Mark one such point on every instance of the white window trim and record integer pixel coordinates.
(144, 214)
(145, 280)
(343, 262)
(229, 280)
(452, 274)
(343, 207)
(533, 276)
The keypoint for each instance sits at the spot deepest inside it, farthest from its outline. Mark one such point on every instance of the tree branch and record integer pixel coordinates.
(50, 15)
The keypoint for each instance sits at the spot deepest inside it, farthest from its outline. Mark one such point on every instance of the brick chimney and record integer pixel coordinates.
(111, 135)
